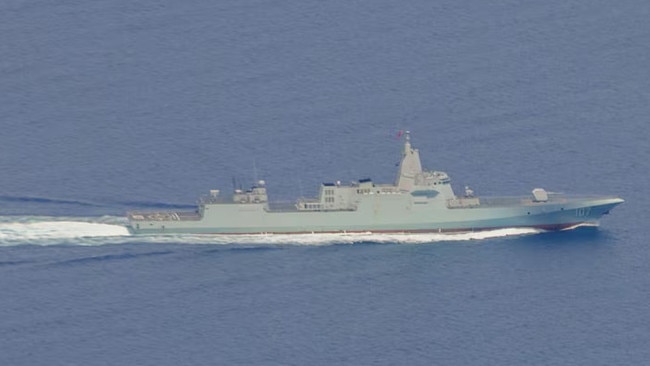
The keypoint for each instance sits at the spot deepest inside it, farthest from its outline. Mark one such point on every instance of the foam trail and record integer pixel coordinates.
(112, 230)
(52, 230)
(331, 239)
(324, 239)
(583, 224)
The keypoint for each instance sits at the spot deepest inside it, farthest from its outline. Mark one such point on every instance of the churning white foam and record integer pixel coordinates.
(57, 230)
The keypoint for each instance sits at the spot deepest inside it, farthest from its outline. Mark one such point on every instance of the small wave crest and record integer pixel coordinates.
(112, 230)
(46, 200)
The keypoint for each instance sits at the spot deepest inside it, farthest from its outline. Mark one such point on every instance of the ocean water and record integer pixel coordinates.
(111, 106)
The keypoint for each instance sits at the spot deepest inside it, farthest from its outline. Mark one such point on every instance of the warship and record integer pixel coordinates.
(419, 201)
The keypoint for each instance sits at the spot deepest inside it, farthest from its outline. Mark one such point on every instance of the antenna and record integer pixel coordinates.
(234, 184)
(254, 171)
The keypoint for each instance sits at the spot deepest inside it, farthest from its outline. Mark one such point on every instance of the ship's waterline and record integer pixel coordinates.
(419, 201)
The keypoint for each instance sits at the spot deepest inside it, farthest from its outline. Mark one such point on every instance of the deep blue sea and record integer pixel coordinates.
(107, 106)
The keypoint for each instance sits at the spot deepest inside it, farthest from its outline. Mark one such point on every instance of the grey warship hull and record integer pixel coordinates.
(381, 216)
(419, 201)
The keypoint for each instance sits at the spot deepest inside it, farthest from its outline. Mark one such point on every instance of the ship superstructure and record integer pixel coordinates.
(419, 201)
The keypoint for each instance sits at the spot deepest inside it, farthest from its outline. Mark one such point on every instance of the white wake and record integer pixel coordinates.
(112, 230)
(42, 230)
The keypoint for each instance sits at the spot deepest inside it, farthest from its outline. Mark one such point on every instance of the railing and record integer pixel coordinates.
(215, 199)
(282, 206)
(505, 201)
(164, 215)
(466, 202)
(518, 200)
